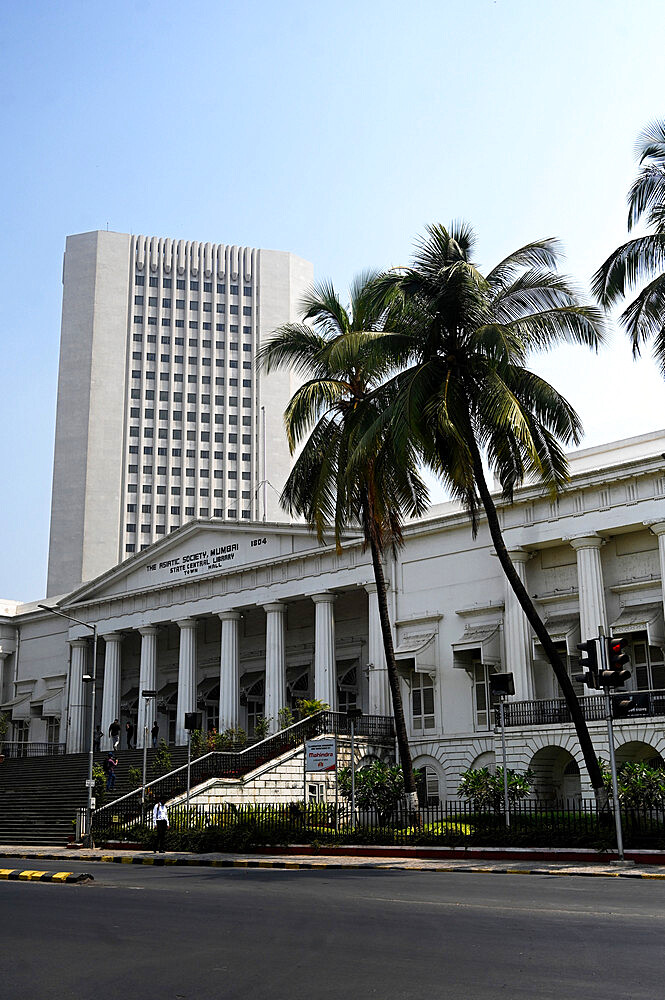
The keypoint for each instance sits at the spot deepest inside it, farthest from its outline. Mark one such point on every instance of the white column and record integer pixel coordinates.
(380, 699)
(658, 529)
(517, 634)
(229, 671)
(147, 681)
(75, 731)
(275, 662)
(186, 677)
(325, 668)
(590, 582)
(111, 689)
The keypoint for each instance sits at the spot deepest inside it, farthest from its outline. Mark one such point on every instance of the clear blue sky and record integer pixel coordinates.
(336, 131)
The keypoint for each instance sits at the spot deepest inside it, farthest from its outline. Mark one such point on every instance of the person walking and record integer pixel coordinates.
(97, 739)
(109, 767)
(129, 729)
(160, 818)
(154, 732)
(114, 733)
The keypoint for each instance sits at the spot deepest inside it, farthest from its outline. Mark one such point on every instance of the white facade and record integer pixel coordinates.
(242, 619)
(161, 416)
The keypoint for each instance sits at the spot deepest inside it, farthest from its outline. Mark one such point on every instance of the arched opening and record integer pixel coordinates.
(556, 775)
(486, 759)
(637, 752)
(429, 783)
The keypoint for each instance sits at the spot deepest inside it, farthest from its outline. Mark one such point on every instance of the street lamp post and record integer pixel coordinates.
(93, 679)
(148, 694)
(353, 714)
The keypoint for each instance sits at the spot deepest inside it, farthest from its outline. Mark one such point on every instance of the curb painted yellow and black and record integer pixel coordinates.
(314, 865)
(17, 875)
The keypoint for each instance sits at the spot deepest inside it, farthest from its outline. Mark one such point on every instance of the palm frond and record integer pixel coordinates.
(629, 265)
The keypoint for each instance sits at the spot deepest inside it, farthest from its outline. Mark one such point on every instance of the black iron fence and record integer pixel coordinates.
(626, 705)
(236, 764)
(12, 748)
(532, 824)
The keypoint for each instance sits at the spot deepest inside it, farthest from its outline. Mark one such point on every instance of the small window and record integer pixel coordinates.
(139, 280)
(154, 283)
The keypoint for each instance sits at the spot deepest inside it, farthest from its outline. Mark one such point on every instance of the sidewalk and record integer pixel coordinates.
(65, 856)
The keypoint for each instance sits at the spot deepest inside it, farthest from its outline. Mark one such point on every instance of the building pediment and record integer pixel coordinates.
(197, 550)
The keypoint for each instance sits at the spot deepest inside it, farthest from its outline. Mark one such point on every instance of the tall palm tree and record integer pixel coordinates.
(340, 358)
(640, 263)
(467, 391)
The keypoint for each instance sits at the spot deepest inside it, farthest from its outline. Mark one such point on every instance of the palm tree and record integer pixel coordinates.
(641, 261)
(341, 360)
(467, 390)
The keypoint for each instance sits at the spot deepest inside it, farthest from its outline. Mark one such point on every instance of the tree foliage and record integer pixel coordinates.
(485, 787)
(640, 262)
(379, 787)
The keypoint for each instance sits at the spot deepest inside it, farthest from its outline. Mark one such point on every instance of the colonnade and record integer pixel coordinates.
(325, 670)
(592, 606)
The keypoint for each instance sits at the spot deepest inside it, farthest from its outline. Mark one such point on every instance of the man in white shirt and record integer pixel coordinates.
(160, 818)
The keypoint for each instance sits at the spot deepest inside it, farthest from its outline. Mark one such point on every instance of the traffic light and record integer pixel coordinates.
(616, 675)
(589, 665)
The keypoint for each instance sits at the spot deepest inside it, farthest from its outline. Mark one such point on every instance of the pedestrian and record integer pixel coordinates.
(98, 737)
(109, 767)
(160, 818)
(129, 729)
(114, 733)
(154, 732)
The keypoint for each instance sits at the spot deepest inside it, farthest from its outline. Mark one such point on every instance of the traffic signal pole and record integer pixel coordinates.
(610, 737)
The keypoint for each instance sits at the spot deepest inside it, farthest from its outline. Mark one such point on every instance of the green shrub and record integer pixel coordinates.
(161, 762)
(485, 788)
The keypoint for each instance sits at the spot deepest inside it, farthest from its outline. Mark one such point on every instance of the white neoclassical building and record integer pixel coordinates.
(240, 620)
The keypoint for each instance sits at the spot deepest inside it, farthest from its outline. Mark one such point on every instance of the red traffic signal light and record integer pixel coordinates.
(616, 674)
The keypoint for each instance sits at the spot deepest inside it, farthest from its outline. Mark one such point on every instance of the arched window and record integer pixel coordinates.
(347, 685)
(427, 784)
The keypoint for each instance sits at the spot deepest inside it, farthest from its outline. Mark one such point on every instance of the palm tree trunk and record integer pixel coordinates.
(393, 680)
(534, 619)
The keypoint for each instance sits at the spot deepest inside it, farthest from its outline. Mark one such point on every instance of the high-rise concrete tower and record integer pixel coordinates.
(162, 417)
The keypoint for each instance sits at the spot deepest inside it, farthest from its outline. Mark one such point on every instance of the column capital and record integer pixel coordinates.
(592, 541)
(185, 623)
(658, 527)
(113, 636)
(78, 643)
(229, 616)
(276, 607)
(149, 629)
(371, 588)
(325, 597)
(518, 555)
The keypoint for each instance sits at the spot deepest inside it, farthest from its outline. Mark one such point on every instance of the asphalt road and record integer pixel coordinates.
(170, 934)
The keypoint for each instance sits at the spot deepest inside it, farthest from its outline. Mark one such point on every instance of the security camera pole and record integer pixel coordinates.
(503, 685)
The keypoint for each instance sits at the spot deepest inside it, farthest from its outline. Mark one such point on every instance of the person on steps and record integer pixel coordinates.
(114, 733)
(154, 732)
(109, 767)
(129, 729)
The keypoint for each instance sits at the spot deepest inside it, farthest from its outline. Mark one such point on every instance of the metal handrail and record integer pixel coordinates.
(555, 711)
(240, 762)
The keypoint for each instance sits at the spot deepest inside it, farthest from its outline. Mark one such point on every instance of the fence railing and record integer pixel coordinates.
(565, 823)
(626, 705)
(13, 748)
(236, 764)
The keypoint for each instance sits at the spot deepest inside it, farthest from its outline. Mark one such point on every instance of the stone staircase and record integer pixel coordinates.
(39, 796)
